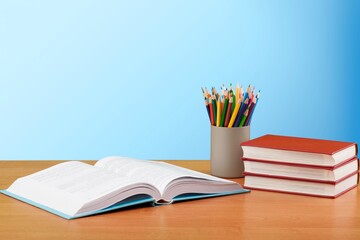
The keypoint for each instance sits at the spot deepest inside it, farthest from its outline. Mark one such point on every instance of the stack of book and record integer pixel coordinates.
(306, 166)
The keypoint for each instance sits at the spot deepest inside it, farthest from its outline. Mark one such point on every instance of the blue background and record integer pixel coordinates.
(88, 79)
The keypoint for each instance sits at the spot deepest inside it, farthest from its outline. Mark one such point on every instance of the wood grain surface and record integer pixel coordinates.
(255, 215)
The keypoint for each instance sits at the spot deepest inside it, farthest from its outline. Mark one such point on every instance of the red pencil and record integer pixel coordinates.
(211, 113)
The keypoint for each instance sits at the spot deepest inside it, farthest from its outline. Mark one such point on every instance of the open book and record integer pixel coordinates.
(75, 189)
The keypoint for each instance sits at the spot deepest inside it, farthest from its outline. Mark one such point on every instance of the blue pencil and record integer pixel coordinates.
(251, 110)
(207, 108)
(248, 121)
(241, 112)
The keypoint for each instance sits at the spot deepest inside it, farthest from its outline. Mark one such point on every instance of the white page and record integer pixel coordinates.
(66, 187)
(159, 174)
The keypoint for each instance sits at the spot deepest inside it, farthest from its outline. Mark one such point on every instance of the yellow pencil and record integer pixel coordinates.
(218, 113)
(233, 116)
(237, 92)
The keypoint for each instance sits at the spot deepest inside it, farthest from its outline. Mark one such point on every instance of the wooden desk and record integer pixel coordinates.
(255, 215)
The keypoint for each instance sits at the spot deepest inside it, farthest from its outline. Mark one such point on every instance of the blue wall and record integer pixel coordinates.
(84, 80)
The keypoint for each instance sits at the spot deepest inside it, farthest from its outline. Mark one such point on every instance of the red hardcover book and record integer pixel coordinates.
(302, 187)
(299, 172)
(299, 151)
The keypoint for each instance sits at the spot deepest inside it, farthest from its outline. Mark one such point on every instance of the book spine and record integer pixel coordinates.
(356, 149)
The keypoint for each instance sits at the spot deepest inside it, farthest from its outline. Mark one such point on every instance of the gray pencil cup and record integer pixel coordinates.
(226, 152)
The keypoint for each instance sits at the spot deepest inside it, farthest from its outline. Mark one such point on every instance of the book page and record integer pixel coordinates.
(66, 187)
(159, 174)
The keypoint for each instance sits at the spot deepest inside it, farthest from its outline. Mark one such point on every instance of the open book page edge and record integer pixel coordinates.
(117, 206)
(121, 205)
(66, 216)
(38, 205)
(194, 196)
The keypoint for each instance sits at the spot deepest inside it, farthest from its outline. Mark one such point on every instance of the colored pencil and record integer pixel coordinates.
(211, 113)
(228, 112)
(221, 105)
(224, 110)
(215, 93)
(213, 101)
(207, 108)
(256, 99)
(234, 101)
(243, 107)
(251, 109)
(246, 94)
(237, 92)
(244, 118)
(234, 114)
(218, 113)
(230, 107)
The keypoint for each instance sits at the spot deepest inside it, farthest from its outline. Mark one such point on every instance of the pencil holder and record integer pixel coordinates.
(226, 153)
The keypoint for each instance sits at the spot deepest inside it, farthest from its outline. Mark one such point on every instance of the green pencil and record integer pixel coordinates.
(214, 106)
(244, 118)
(224, 109)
